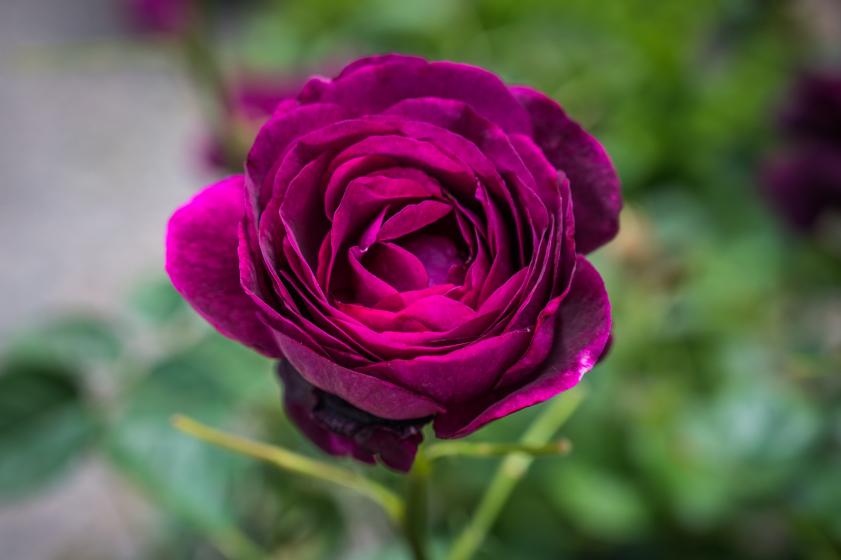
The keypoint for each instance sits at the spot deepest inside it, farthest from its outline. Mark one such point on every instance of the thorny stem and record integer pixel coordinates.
(509, 473)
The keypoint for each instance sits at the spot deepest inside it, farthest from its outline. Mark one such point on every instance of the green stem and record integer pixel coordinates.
(391, 503)
(201, 59)
(416, 506)
(206, 72)
(232, 543)
(486, 449)
(509, 473)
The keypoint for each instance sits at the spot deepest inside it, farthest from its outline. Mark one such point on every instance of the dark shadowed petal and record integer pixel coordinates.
(438, 255)
(367, 287)
(577, 340)
(340, 428)
(596, 195)
(201, 260)
(397, 266)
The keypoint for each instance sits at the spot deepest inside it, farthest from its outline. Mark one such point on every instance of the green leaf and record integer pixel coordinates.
(157, 302)
(598, 502)
(188, 477)
(73, 342)
(44, 426)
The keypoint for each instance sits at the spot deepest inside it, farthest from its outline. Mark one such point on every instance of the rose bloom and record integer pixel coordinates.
(802, 180)
(409, 238)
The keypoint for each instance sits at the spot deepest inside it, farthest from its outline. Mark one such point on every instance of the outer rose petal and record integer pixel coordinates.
(371, 394)
(201, 260)
(339, 428)
(378, 59)
(375, 84)
(584, 328)
(595, 186)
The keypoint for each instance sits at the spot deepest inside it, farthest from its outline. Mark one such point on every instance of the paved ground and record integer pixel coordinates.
(94, 155)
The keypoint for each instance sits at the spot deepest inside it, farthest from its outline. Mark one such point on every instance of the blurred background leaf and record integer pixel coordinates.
(45, 425)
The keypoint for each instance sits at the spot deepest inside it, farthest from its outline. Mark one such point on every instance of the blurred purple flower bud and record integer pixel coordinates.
(802, 180)
(251, 101)
(159, 16)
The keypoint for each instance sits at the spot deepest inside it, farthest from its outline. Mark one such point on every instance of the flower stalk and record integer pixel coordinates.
(287, 460)
(513, 468)
(417, 498)
(411, 515)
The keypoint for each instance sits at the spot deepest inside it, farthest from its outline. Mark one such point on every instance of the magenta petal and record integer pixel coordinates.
(596, 195)
(368, 288)
(376, 60)
(583, 330)
(397, 266)
(458, 375)
(274, 139)
(202, 262)
(413, 217)
(373, 88)
(371, 394)
(437, 253)
(438, 313)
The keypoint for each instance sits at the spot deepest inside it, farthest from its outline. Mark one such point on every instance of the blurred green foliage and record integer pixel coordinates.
(713, 429)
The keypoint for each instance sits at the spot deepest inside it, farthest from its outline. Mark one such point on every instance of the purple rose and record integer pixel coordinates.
(409, 237)
(803, 179)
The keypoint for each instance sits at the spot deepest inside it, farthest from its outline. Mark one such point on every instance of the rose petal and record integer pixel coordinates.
(596, 195)
(437, 255)
(371, 394)
(581, 333)
(273, 140)
(413, 217)
(457, 375)
(339, 428)
(372, 88)
(202, 262)
(397, 266)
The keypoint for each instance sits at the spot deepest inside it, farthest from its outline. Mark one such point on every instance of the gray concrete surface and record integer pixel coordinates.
(95, 153)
